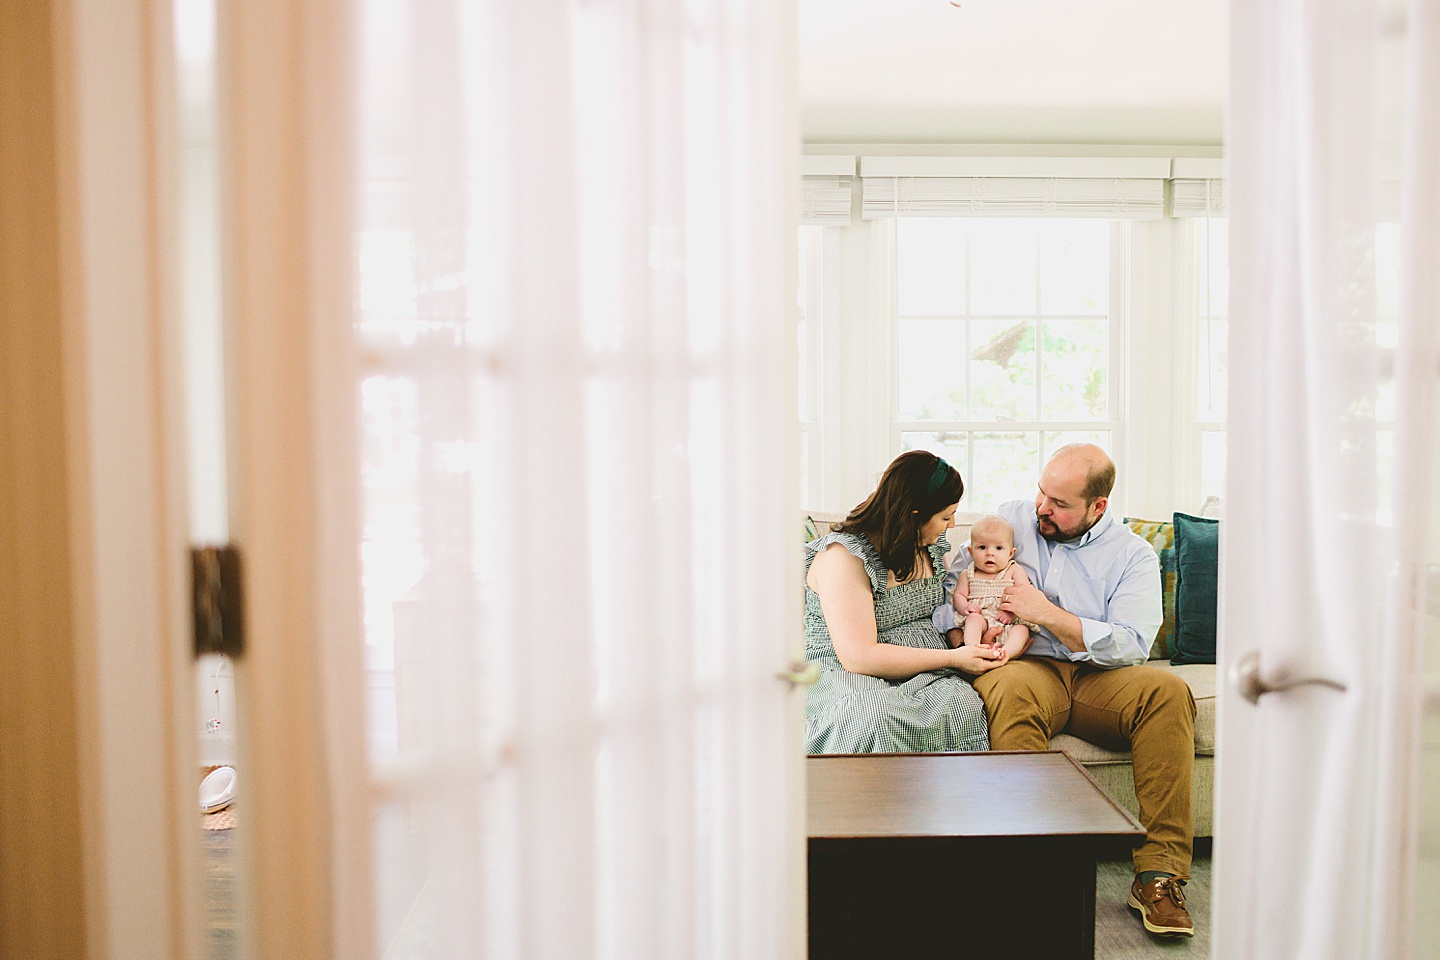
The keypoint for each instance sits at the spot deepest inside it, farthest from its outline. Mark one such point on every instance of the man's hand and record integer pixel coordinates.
(1028, 603)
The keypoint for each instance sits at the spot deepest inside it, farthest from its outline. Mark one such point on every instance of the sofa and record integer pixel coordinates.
(1112, 769)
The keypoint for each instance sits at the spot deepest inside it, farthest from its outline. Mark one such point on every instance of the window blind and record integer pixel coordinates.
(825, 201)
(1197, 198)
(1118, 198)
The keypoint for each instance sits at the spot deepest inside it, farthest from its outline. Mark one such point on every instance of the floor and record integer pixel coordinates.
(1118, 933)
(220, 928)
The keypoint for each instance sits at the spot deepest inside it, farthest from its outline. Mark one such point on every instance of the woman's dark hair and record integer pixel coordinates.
(916, 486)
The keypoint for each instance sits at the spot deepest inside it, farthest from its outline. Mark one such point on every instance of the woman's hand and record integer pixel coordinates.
(978, 660)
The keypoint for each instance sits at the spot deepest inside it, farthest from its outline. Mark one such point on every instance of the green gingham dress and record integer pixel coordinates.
(853, 713)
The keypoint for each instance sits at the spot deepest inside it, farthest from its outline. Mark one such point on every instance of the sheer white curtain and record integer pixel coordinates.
(576, 242)
(1332, 382)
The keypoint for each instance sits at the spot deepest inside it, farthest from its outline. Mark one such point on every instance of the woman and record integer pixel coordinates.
(888, 679)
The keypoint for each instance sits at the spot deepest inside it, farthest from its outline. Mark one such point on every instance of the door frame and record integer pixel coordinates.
(102, 673)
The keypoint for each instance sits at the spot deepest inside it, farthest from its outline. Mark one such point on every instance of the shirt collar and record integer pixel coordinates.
(1103, 524)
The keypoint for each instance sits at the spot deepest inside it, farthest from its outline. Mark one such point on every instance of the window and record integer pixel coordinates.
(1006, 344)
(1212, 286)
(808, 334)
(970, 308)
(1376, 343)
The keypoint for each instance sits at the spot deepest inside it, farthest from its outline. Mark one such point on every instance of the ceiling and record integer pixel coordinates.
(1013, 71)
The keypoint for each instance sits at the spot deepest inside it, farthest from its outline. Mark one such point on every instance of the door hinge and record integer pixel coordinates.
(218, 600)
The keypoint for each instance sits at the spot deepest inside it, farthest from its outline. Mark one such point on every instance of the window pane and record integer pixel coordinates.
(1387, 269)
(1006, 467)
(1387, 338)
(1212, 464)
(930, 261)
(1002, 369)
(1214, 353)
(951, 446)
(1075, 267)
(801, 336)
(1002, 266)
(1214, 286)
(807, 297)
(1384, 476)
(1074, 361)
(807, 498)
(387, 294)
(390, 554)
(930, 370)
(1212, 243)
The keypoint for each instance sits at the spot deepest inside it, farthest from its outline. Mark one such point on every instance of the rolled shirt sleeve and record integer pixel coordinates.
(1133, 615)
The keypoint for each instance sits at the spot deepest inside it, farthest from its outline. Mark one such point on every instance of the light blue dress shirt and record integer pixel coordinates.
(1109, 577)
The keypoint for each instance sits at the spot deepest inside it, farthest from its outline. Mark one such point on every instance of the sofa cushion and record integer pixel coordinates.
(1197, 555)
(1200, 677)
(1160, 534)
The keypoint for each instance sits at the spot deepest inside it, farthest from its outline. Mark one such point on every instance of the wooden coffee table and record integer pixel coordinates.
(979, 851)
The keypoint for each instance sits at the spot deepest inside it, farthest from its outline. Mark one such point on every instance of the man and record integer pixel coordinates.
(1094, 597)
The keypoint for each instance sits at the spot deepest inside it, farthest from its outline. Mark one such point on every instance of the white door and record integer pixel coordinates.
(1325, 568)
(509, 297)
(514, 364)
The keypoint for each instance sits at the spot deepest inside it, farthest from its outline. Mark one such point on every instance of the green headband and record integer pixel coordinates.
(942, 471)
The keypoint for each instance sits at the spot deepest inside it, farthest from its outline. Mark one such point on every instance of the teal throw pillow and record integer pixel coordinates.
(1197, 577)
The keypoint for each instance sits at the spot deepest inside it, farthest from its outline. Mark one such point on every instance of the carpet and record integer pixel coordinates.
(1118, 932)
(219, 820)
(221, 917)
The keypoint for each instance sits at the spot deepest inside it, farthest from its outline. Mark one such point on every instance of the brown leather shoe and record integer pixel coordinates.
(1161, 903)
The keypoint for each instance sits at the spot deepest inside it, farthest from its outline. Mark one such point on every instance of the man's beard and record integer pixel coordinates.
(1060, 536)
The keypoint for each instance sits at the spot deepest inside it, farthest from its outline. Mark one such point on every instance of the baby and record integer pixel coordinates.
(976, 591)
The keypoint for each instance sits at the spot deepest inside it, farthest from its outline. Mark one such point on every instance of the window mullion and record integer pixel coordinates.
(1039, 357)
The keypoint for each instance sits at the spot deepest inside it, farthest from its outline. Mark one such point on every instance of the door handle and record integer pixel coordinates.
(1245, 678)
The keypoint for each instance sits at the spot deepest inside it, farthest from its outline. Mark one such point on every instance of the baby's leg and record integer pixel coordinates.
(974, 629)
(1016, 640)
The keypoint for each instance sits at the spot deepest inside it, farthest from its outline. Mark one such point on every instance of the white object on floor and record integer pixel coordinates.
(217, 790)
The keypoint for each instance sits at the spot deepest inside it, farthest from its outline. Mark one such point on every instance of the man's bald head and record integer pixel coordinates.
(1074, 491)
(1095, 462)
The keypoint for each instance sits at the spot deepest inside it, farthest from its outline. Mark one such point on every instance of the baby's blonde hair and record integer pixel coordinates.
(991, 520)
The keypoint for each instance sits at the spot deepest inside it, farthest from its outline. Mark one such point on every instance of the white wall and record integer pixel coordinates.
(215, 701)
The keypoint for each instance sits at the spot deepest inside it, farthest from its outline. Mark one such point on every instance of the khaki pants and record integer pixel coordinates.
(1143, 709)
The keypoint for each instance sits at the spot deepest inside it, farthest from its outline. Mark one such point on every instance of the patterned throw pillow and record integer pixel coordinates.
(811, 531)
(1161, 536)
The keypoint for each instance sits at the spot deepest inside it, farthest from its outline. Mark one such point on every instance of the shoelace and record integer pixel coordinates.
(1171, 887)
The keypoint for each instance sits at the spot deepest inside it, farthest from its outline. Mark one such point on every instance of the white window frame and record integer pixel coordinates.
(1117, 318)
(1191, 424)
